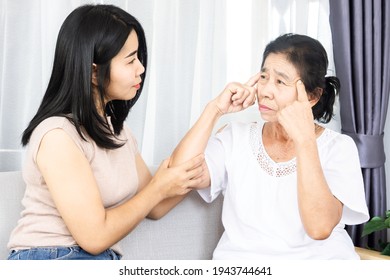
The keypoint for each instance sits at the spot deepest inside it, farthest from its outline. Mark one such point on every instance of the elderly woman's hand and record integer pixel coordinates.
(236, 96)
(297, 118)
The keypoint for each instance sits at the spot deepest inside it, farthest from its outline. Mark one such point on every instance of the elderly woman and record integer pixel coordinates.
(289, 184)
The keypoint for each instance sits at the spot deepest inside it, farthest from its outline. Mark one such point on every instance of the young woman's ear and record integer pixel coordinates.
(94, 74)
(315, 96)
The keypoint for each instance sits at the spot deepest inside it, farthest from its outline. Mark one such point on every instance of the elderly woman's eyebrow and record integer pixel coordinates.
(283, 75)
(278, 73)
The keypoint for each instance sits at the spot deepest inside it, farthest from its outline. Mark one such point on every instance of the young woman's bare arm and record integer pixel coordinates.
(76, 195)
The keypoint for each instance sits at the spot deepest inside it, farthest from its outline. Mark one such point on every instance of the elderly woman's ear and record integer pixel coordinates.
(315, 95)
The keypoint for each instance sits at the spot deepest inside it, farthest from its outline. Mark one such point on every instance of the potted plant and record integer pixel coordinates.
(378, 223)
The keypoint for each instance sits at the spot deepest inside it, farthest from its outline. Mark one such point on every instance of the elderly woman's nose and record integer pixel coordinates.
(266, 89)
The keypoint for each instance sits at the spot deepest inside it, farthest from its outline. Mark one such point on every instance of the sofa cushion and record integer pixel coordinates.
(189, 231)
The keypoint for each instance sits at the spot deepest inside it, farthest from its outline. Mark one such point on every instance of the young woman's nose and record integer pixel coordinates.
(140, 68)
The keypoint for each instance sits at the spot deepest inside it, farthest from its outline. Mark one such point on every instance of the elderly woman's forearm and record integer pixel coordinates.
(195, 141)
(320, 210)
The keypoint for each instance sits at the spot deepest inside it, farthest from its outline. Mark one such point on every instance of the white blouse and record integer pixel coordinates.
(260, 210)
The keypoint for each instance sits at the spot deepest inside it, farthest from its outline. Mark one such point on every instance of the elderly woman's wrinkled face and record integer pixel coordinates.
(276, 86)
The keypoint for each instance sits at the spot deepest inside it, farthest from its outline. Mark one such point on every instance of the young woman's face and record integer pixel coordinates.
(126, 70)
(276, 87)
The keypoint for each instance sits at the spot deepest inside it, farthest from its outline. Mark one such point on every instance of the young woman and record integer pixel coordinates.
(289, 184)
(87, 185)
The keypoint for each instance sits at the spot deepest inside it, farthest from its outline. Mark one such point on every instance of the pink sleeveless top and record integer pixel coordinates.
(115, 172)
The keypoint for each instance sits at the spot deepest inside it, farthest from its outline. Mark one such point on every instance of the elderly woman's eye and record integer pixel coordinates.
(263, 79)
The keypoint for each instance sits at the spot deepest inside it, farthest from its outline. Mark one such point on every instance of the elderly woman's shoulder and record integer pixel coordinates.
(340, 139)
(238, 126)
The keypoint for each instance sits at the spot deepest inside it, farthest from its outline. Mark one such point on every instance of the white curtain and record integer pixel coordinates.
(195, 48)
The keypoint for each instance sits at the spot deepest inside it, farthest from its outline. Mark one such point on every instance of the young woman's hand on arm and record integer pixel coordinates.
(76, 195)
(191, 176)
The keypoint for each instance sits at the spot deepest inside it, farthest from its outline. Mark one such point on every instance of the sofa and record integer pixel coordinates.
(190, 231)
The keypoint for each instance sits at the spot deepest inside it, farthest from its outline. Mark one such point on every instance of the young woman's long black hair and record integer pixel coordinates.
(310, 58)
(91, 34)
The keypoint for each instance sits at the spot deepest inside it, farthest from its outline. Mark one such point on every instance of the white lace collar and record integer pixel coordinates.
(272, 168)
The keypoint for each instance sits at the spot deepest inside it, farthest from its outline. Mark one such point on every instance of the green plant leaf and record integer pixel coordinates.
(386, 250)
(388, 213)
(382, 245)
(375, 224)
(387, 222)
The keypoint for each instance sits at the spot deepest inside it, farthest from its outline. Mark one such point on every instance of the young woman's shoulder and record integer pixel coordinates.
(52, 123)
(55, 122)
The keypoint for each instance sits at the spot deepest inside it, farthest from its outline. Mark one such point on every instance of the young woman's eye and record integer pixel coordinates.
(132, 61)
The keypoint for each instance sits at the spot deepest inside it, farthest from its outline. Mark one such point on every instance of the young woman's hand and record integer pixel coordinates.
(180, 179)
(236, 97)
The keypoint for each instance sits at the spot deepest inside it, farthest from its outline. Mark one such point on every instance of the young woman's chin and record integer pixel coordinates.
(133, 93)
(126, 97)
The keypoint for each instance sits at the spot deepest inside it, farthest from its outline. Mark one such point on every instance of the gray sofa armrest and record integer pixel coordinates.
(12, 188)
